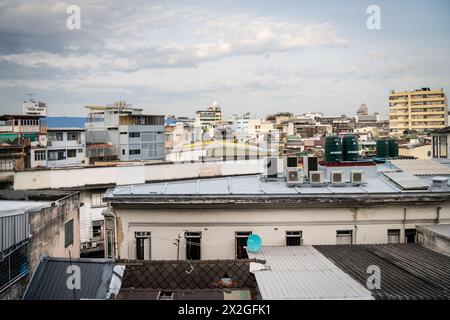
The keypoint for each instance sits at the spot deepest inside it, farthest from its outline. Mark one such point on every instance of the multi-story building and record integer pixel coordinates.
(124, 133)
(420, 110)
(65, 147)
(210, 117)
(34, 108)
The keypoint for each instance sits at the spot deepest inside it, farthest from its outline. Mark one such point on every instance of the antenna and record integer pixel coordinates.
(254, 243)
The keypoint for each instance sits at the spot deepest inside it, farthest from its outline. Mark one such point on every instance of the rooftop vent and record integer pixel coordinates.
(357, 177)
(440, 182)
(316, 177)
(337, 177)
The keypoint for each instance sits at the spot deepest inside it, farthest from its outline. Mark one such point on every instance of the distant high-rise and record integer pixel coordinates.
(34, 108)
(363, 110)
(210, 117)
(419, 110)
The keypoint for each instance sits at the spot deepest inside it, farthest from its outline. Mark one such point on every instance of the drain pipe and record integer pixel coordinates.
(111, 212)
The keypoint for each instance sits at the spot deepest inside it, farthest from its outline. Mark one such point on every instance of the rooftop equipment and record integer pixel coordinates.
(310, 164)
(350, 148)
(333, 149)
(316, 177)
(393, 148)
(271, 167)
(382, 148)
(337, 177)
(293, 177)
(357, 177)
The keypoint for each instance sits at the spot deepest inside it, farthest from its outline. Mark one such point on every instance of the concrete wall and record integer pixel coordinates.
(129, 174)
(433, 241)
(47, 228)
(218, 226)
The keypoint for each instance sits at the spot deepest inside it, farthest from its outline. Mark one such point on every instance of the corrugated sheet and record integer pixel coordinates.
(302, 272)
(407, 181)
(422, 167)
(49, 282)
(64, 122)
(408, 271)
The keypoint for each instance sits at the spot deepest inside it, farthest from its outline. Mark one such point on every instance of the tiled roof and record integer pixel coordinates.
(172, 275)
(408, 271)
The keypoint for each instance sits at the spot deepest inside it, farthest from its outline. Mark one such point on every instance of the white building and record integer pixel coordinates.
(34, 108)
(217, 215)
(66, 147)
(210, 117)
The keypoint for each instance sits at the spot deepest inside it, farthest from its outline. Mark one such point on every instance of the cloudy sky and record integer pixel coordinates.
(174, 57)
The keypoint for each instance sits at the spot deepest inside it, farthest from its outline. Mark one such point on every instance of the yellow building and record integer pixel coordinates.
(421, 109)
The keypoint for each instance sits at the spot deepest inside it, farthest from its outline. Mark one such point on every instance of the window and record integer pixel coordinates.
(293, 238)
(435, 146)
(442, 147)
(241, 242)
(410, 235)
(142, 245)
(71, 136)
(393, 236)
(193, 240)
(39, 155)
(71, 153)
(344, 237)
(56, 155)
(55, 136)
(135, 151)
(68, 233)
(123, 151)
(96, 200)
(165, 295)
(97, 231)
(134, 134)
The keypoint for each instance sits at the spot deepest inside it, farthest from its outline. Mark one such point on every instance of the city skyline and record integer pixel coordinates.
(178, 57)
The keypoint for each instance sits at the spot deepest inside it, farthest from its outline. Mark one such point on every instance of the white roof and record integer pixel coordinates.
(422, 167)
(302, 272)
(11, 207)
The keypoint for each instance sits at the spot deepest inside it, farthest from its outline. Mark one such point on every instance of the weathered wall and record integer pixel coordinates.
(218, 226)
(433, 241)
(47, 229)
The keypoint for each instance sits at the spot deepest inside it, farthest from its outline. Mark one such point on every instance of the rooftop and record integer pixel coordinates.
(64, 122)
(299, 273)
(49, 282)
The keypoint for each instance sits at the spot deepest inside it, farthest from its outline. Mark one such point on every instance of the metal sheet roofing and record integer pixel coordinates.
(303, 273)
(49, 282)
(64, 122)
(12, 207)
(247, 185)
(408, 271)
(422, 167)
(407, 181)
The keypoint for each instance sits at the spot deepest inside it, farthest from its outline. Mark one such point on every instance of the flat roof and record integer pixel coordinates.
(12, 207)
(252, 189)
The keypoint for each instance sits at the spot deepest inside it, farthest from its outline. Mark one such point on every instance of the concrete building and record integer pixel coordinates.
(436, 238)
(210, 117)
(440, 139)
(66, 144)
(420, 110)
(124, 133)
(34, 224)
(219, 214)
(34, 108)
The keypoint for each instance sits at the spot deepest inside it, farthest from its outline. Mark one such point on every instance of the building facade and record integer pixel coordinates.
(419, 110)
(210, 117)
(34, 108)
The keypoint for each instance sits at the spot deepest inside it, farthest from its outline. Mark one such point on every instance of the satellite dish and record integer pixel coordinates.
(254, 243)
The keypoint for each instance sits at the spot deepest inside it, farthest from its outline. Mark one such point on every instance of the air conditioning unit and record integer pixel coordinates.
(310, 164)
(271, 167)
(316, 177)
(293, 177)
(337, 177)
(289, 162)
(357, 177)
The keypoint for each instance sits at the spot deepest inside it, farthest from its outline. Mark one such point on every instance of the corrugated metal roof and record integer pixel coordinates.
(49, 282)
(422, 167)
(302, 272)
(11, 207)
(64, 122)
(408, 271)
(407, 181)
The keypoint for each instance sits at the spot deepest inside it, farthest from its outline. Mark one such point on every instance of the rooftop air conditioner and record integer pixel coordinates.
(337, 177)
(310, 164)
(316, 177)
(271, 167)
(289, 162)
(357, 177)
(293, 177)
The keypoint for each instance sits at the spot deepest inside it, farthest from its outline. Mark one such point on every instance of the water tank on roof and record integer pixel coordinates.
(333, 149)
(350, 148)
(382, 148)
(393, 148)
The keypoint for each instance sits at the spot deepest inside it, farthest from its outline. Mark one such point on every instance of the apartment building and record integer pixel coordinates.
(210, 117)
(119, 132)
(420, 110)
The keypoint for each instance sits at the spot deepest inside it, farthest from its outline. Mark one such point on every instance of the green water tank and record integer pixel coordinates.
(333, 149)
(350, 148)
(393, 148)
(382, 148)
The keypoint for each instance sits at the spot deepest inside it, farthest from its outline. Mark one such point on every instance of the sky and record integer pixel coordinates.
(262, 57)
